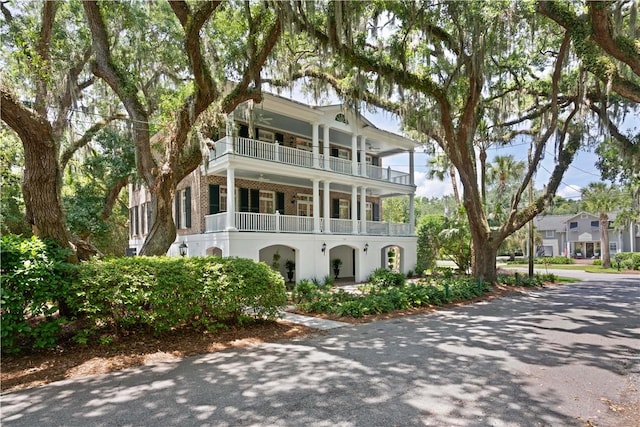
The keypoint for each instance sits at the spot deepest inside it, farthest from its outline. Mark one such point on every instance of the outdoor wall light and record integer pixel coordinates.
(366, 247)
(324, 247)
(183, 249)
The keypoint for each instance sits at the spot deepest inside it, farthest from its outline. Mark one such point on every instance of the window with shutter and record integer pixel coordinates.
(176, 214)
(244, 200)
(214, 199)
(280, 202)
(187, 207)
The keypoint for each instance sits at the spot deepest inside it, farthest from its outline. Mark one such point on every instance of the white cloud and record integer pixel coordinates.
(569, 191)
(431, 187)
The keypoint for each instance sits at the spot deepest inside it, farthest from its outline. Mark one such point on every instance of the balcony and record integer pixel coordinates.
(276, 223)
(274, 152)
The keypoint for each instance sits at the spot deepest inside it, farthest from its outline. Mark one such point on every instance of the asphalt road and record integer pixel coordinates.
(560, 356)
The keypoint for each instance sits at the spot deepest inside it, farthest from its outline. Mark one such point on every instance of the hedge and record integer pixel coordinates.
(123, 294)
(161, 293)
(628, 260)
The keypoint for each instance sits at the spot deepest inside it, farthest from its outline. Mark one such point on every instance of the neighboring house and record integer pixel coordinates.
(305, 186)
(578, 235)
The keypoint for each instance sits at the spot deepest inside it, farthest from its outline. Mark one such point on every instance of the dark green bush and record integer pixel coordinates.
(383, 277)
(544, 260)
(628, 260)
(161, 293)
(382, 299)
(34, 279)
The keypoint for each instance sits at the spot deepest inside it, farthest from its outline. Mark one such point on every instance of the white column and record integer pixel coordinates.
(412, 215)
(231, 199)
(354, 154)
(316, 205)
(363, 155)
(632, 237)
(316, 148)
(230, 130)
(363, 210)
(325, 146)
(411, 167)
(327, 206)
(354, 209)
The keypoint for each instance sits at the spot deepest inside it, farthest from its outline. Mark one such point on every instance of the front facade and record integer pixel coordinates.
(290, 183)
(578, 235)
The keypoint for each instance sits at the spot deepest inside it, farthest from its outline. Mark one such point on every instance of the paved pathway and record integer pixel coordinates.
(555, 357)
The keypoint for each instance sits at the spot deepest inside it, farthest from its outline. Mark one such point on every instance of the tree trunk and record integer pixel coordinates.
(483, 259)
(483, 175)
(454, 184)
(604, 241)
(42, 181)
(162, 232)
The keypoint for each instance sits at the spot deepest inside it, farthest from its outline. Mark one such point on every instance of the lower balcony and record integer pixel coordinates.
(277, 223)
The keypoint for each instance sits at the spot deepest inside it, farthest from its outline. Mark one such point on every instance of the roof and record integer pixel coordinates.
(551, 222)
(559, 222)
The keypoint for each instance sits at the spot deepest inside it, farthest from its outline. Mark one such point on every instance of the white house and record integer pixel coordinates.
(306, 184)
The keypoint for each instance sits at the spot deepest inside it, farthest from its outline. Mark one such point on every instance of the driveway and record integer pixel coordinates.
(560, 356)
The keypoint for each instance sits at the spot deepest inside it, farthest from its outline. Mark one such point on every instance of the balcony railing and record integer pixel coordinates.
(276, 223)
(274, 152)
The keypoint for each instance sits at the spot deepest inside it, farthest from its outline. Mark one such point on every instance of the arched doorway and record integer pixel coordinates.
(281, 258)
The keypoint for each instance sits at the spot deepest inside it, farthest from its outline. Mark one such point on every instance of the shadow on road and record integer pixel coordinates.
(552, 357)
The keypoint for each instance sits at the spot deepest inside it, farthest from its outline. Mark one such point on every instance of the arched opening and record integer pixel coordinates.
(343, 263)
(214, 251)
(281, 258)
(391, 258)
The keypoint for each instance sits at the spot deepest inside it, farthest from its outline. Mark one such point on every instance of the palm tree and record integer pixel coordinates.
(602, 198)
(438, 166)
(503, 169)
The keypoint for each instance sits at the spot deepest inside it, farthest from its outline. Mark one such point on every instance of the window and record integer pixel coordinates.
(610, 225)
(183, 208)
(595, 224)
(369, 211)
(265, 135)
(305, 204)
(573, 224)
(267, 202)
(223, 199)
(549, 233)
(304, 144)
(343, 153)
(613, 247)
(345, 212)
(340, 117)
(143, 217)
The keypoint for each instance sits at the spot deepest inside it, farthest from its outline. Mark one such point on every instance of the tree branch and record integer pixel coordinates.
(621, 48)
(49, 9)
(104, 68)
(589, 52)
(85, 139)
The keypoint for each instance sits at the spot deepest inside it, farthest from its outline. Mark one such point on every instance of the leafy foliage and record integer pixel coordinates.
(384, 278)
(378, 299)
(35, 277)
(628, 260)
(545, 260)
(161, 293)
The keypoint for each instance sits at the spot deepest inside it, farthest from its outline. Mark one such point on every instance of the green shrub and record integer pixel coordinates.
(304, 290)
(34, 279)
(628, 260)
(597, 262)
(382, 299)
(161, 293)
(544, 260)
(383, 277)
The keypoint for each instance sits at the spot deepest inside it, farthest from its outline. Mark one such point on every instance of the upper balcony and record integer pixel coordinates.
(276, 153)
